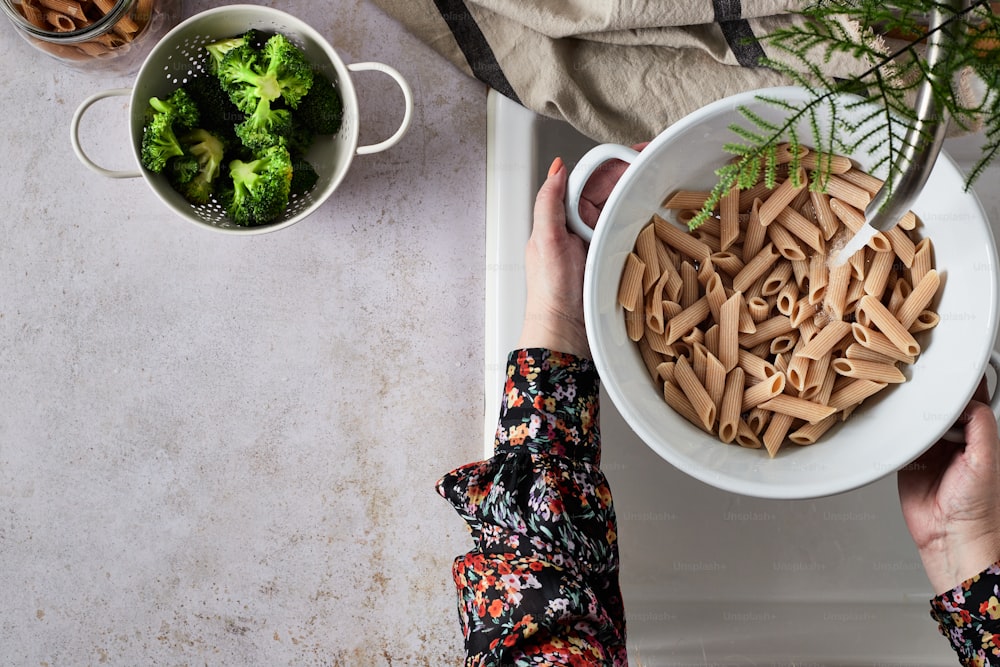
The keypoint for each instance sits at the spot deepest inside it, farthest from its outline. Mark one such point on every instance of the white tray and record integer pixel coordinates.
(709, 577)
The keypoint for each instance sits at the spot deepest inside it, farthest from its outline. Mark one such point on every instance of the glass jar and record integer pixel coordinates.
(99, 35)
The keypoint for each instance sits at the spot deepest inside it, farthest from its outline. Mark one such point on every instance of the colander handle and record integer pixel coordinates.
(74, 133)
(957, 433)
(581, 173)
(407, 102)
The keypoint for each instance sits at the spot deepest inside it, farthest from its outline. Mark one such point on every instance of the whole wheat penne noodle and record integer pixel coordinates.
(801, 311)
(686, 215)
(784, 342)
(815, 375)
(780, 274)
(144, 11)
(801, 200)
(732, 404)
(825, 217)
(878, 272)
(785, 243)
(727, 262)
(797, 370)
(776, 431)
(759, 309)
(712, 339)
(808, 328)
(711, 240)
(764, 390)
(680, 240)
(787, 298)
(695, 392)
(715, 380)
(767, 330)
(808, 434)
(665, 371)
(758, 191)
(826, 340)
(676, 399)
(674, 285)
(755, 234)
(858, 261)
(99, 47)
(799, 226)
(782, 197)
(847, 192)
(889, 325)
(855, 291)
(902, 245)
(645, 249)
(757, 419)
(59, 22)
(800, 273)
(650, 358)
(859, 351)
(745, 437)
(918, 299)
(908, 221)
(687, 319)
(754, 366)
(854, 220)
(746, 324)
(928, 319)
(635, 325)
(706, 270)
(654, 305)
(729, 320)
(830, 163)
(699, 357)
(716, 294)
(880, 343)
(863, 180)
(868, 370)
(854, 392)
(835, 298)
(630, 288)
(819, 274)
(686, 199)
(923, 260)
(712, 225)
(729, 217)
(826, 388)
(690, 287)
(667, 257)
(656, 341)
(694, 337)
(798, 408)
(757, 267)
(900, 290)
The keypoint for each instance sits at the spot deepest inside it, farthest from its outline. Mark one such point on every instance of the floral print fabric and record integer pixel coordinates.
(541, 586)
(969, 616)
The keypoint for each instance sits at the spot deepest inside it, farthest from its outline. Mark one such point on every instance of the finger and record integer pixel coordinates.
(550, 206)
(981, 433)
(598, 188)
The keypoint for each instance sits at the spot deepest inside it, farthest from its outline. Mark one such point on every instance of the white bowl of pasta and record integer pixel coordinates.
(739, 355)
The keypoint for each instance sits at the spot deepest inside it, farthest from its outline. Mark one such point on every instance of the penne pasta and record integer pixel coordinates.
(880, 316)
(918, 299)
(808, 434)
(764, 390)
(868, 370)
(695, 392)
(732, 405)
(729, 323)
(798, 408)
(680, 241)
(854, 392)
(630, 288)
(774, 434)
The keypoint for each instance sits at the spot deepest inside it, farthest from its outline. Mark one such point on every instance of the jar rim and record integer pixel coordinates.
(69, 37)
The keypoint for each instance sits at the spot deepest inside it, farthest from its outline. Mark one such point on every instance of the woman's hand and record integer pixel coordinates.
(555, 259)
(950, 498)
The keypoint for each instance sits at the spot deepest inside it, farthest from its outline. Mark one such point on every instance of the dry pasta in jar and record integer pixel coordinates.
(93, 34)
(751, 330)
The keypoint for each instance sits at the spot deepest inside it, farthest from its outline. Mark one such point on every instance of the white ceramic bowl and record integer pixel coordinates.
(179, 55)
(889, 430)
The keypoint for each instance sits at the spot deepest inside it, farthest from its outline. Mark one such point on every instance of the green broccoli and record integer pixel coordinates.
(206, 150)
(265, 127)
(280, 69)
(159, 135)
(181, 169)
(322, 109)
(260, 188)
(218, 113)
(218, 50)
(180, 106)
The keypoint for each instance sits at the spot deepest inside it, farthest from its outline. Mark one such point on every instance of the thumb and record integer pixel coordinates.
(550, 204)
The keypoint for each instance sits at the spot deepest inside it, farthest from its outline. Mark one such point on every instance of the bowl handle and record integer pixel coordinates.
(957, 433)
(407, 106)
(74, 133)
(581, 173)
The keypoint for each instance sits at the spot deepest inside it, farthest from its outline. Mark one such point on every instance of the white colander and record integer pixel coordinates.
(178, 57)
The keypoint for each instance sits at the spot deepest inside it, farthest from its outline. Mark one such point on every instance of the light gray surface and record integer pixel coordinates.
(219, 450)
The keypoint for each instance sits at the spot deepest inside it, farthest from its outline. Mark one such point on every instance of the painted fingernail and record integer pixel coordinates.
(557, 164)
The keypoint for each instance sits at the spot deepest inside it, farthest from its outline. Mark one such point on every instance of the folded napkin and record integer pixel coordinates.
(617, 71)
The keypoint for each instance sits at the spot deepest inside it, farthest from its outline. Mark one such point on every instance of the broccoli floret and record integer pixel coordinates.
(304, 176)
(322, 109)
(159, 143)
(218, 50)
(181, 169)
(218, 113)
(179, 106)
(260, 188)
(265, 127)
(279, 70)
(206, 150)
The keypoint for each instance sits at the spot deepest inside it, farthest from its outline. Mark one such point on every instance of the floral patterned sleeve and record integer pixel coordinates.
(541, 585)
(969, 616)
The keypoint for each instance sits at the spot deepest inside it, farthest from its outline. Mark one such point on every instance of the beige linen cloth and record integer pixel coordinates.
(619, 71)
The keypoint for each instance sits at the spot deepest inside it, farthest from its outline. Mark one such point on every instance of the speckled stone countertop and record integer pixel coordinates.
(219, 450)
